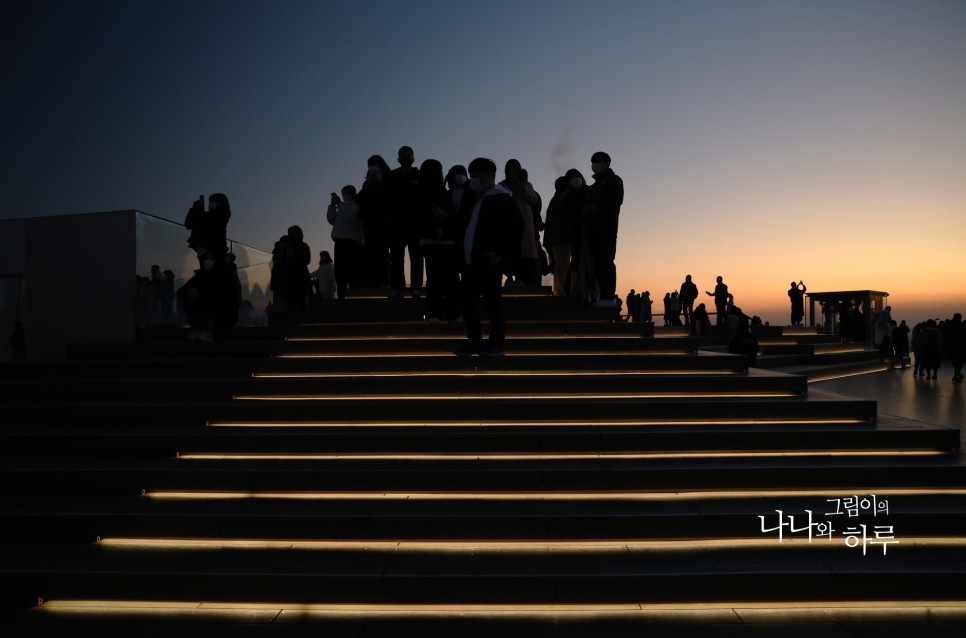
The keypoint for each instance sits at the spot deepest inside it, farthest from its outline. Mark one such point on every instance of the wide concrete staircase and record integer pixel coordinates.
(357, 479)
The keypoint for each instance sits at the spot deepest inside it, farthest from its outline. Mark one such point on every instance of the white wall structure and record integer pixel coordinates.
(73, 278)
(80, 277)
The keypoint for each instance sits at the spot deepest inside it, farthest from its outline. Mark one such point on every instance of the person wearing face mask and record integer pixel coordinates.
(404, 236)
(490, 245)
(527, 270)
(209, 228)
(437, 227)
(463, 200)
(210, 298)
(290, 272)
(601, 211)
(375, 201)
(583, 282)
(556, 236)
(348, 237)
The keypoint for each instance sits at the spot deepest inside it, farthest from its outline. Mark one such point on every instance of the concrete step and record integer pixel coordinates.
(472, 384)
(452, 496)
(516, 308)
(621, 344)
(344, 473)
(821, 619)
(444, 411)
(229, 576)
(442, 363)
(444, 519)
(166, 440)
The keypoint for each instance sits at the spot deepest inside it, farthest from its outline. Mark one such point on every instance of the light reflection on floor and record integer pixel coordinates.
(899, 393)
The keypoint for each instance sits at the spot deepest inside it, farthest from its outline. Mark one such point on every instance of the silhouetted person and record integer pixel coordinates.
(538, 227)
(881, 324)
(845, 322)
(154, 294)
(931, 350)
(492, 240)
(720, 295)
(917, 345)
(463, 200)
(348, 237)
(744, 342)
(375, 203)
(735, 316)
(18, 342)
(404, 234)
(900, 343)
(633, 306)
(324, 276)
(674, 306)
(700, 321)
(797, 296)
(689, 293)
(290, 268)
(527, 268)
(667, 309)
(210, 297)
(582, 283)
(556, 236)
(209, 228)
(887, 353)
(437, 227)
(601, 213)
(957, 346)
(646, 304)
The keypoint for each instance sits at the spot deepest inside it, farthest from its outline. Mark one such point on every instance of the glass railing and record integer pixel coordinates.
(164, 263)
(12, 307)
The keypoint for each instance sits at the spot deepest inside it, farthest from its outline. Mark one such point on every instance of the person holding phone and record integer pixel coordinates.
(349, 239)
(209, 228)
(797, 296)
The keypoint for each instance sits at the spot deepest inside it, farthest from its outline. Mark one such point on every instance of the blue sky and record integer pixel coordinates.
(764, 140)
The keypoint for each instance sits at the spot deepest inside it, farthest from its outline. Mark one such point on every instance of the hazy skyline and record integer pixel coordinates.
(762, 140)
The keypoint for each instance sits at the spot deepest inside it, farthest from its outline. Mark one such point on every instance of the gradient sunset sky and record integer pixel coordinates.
(763, 140)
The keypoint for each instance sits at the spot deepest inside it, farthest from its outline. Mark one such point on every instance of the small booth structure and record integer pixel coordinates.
(864, 304)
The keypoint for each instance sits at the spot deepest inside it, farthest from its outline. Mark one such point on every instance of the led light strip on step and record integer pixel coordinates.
(552, 496)
(389, 456)
(461, 336)
(497, 424)
(731, 612)
(505, 396)
(473, 374)
(857, 373)
(522, 546)
(422, 353)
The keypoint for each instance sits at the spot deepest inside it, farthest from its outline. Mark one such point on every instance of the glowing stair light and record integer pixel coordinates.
(735, 611)
(490, 373)
(518, 546)
(506, 396)
(489, 423)
(549, 496)
(434, 456)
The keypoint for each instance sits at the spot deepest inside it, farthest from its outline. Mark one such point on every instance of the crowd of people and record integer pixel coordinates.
(423, 213)
(471, 235)
(679, 309)
(929, 343)
(468, 232)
